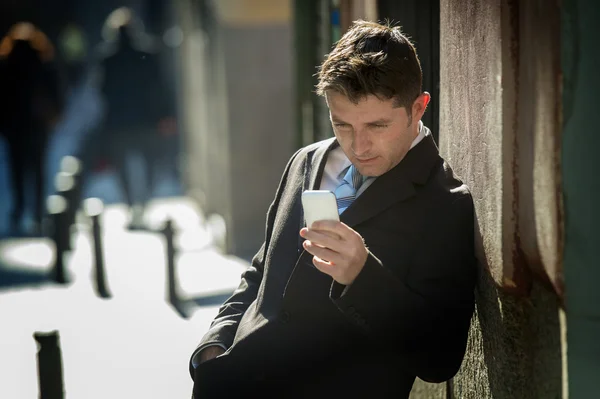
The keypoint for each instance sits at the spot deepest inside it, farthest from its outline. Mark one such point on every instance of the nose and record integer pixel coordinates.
(361, 145)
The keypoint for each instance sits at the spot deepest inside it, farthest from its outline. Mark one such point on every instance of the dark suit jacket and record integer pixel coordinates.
(292, 329)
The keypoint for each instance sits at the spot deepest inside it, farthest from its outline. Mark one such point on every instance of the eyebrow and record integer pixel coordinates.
(381, 121)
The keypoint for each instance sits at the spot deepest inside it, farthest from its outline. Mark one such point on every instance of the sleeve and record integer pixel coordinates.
(425, 318)
(223, 328)
(196, 356)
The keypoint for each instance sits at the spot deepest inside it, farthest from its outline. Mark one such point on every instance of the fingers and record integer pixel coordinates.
(325, 254)
(332, 227)
(324, 266)
(323, 239)
(337, 249)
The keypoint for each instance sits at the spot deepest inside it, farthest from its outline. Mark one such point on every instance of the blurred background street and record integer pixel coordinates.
(132, 345)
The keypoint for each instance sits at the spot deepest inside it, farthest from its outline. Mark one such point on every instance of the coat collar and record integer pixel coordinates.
(396, 185)
(319, 160)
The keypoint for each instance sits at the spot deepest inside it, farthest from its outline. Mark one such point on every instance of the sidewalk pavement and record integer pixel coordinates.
(133, 345)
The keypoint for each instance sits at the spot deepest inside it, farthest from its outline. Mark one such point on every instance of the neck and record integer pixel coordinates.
(415, 128)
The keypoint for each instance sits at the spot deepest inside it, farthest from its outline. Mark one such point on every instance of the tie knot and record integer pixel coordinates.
(354, 177)
(346, 191)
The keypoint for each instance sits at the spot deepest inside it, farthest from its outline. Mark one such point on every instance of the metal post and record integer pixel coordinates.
(49, 361)
(64, 183)
(94, 208)
(72, 166)
(172, 295)
(57, 206)
(169, 233)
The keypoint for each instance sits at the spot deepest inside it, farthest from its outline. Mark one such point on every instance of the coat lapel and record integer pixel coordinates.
(313, 173)
(396, 185)
(318, 162)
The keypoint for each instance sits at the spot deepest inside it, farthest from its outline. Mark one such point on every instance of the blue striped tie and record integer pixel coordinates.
(346, 191)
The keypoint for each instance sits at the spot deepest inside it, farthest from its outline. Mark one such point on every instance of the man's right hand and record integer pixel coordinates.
(210, 353)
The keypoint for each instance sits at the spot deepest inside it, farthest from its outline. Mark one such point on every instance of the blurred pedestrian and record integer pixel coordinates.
(138, 111)
(31, 104)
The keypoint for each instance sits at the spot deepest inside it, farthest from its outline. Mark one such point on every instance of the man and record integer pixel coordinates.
(360, 307)
(31, 103)
(139, 115)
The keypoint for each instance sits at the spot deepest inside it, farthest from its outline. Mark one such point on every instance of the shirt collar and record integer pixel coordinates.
(420, 136)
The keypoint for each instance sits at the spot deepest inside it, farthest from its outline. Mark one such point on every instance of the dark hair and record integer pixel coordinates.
(372, 58)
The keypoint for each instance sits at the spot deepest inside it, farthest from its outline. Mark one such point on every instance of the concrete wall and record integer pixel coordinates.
(259, 80)
(239, 124)
(203, 103)
(498, 130)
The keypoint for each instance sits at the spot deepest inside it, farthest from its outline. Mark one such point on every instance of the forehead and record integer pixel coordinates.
(367, 109)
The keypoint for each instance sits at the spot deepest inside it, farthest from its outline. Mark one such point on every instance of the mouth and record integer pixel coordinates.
(366, 160)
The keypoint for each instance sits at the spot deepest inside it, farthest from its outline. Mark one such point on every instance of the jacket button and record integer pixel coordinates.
(284, 317)
(350, 310)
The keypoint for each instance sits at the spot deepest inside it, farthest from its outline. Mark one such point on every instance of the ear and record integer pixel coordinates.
(420, 105)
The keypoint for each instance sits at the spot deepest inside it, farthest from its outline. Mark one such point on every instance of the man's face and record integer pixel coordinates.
(374, 134)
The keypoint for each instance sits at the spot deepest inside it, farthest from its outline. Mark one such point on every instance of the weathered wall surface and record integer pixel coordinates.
(422, 390)
(515, 347)
(477, 125)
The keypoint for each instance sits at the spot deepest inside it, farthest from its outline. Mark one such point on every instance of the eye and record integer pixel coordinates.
(380, 126)
(340, 125)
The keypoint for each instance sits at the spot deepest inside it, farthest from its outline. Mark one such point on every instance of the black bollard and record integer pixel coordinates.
(169, 234)
(49, 360)
(57, 206)
(73, 167)
(172, 295)
(94, 208)
(64, 183)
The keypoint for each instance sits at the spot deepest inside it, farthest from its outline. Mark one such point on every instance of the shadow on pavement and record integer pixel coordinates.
(13, 277)
(26, 262)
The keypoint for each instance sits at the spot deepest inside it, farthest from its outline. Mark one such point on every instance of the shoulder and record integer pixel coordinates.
(448, 190)
(303, 153)
(323, 144)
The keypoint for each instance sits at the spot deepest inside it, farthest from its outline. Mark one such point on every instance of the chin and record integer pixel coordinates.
(371, 171)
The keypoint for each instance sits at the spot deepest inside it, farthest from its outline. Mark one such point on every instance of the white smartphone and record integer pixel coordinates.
(319, 205)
